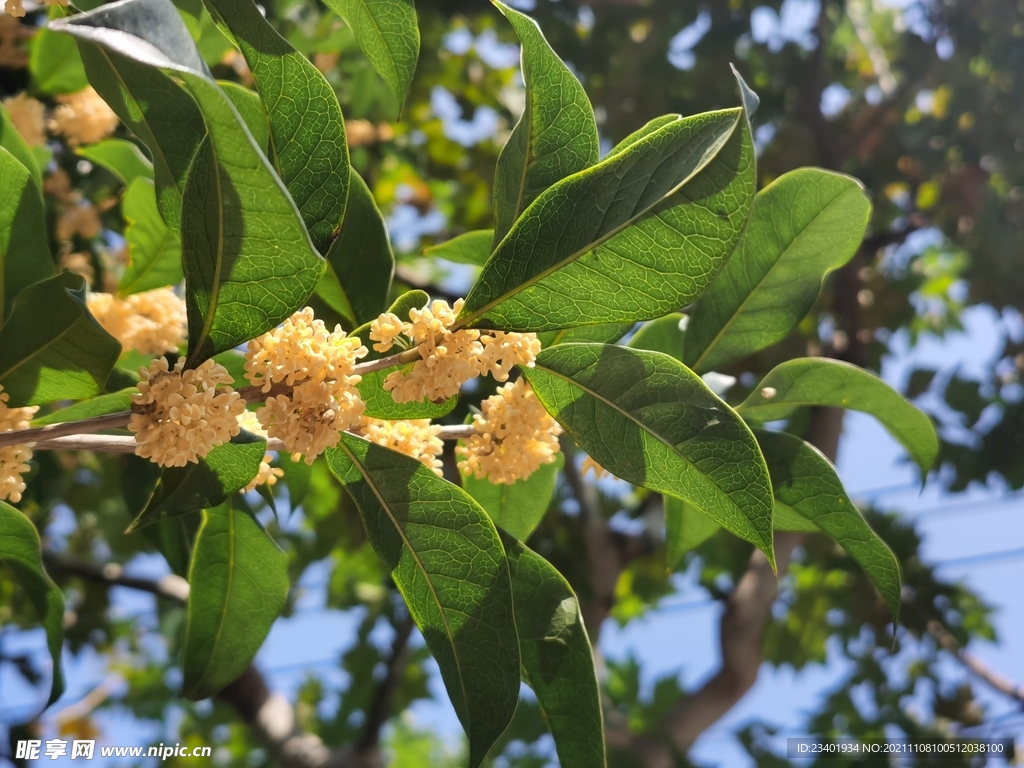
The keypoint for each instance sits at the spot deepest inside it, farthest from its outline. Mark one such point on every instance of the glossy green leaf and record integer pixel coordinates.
(100, 405)
(651, 421)
(361, 257)
(156, 110)
(445, 557)
(558, 663)
(330, 291)
(517, 507)
(381, 405)
(24, 254)
(154, 252)
(686, 528)
(121, 157)
(172, 536)
(239, 584)
(556, 135)
(803, 225)
(388, 36)
(54, 62)
(226, 469)
(59, 354)
(468, 248)
(248, 259)
(306, 125)
(599, 334)
(662, 335)
(640, 234)
(814, 381)
(11, 140)
(21, 551)
(806, 482)
(249, 107)
(643, 132)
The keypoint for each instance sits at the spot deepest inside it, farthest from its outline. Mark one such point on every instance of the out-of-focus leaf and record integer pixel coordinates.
(24, 255)
(11, 140)
(21, 551)
(651, 421)
(806, 482)
(447, 560)
(558, 663)
(662, 335)
(556, 135)
(810, 381)
(239, 584)
(61, 353)
(517, 507)
(154, 252)
(54, 62)
(121, 157)
(803, 225)
(686, 528)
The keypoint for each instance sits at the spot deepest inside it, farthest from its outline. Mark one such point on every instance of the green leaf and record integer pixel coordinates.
(329, 291)
(54, 62)
(806, 482)
(58, 354)
(468, 248)
(154, 252)
(555, 137)
(248, 259)
(11, 140)
(156, 110)
(239, 584)
(643, 132)
(662, 335)
(100, 405)
(414, 299)
(651, 421)
(226, 469)
(121, 157)
(640, 234)
(248, 105)
(306, 125)
(802, 226)
(386, 33)
(445, 557)
(686, 528)
(297, 476)
(381, 405)
(819, 381)
(361, 256)
(21, 551)
(24, 254)
(516, 507)
(599, 334)
(558, 663)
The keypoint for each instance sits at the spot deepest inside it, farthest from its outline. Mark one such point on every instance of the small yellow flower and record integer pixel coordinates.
(317, 367)
(386, 329)
(152, 322)
(13, 458)
(504, 351)
(181, 415)
(417, 438)
(83, 117)
(14, 8)
(589, 465)
(26, 113)
(514, 436)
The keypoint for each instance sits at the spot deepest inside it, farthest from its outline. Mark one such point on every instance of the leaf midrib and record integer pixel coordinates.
(419, 563)
(214, 296)
(757, 285)
(659, 438)
(462, 322)
(227, 591)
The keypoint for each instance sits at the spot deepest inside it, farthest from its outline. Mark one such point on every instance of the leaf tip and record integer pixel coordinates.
(750, 99)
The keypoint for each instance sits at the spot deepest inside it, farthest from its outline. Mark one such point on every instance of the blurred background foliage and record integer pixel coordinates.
(923, 100)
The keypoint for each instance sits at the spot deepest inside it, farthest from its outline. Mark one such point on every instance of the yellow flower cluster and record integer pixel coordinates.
(589, 465)
(180, 415)
(13, 458)
(448, 358)
(79, 218)
(317, 367)
(83, 117)
(266, 474)
(417, 438)
(12, 36)
(514, 436)
(152, 322)
(28, 117)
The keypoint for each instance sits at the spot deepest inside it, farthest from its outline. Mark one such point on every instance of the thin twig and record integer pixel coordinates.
(976, 666)
(85, 426)
(391, 361)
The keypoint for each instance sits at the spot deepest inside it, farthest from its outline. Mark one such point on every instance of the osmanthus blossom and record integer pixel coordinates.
(13, 458)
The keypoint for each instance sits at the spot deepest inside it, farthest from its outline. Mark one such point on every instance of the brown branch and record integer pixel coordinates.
(975, 665)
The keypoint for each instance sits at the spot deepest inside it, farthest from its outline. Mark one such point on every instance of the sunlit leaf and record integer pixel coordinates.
(516, 507)
(24, 254)
(154, 252)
